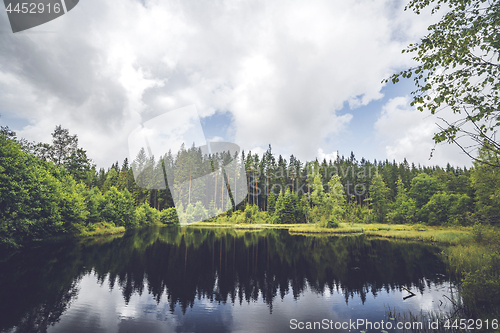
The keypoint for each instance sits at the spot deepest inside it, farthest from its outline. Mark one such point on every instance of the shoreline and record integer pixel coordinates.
(416, 232)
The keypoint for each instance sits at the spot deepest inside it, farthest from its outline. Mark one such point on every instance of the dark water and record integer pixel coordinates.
(217, 280)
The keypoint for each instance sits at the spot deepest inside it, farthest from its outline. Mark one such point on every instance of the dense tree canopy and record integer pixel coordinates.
(40, 198)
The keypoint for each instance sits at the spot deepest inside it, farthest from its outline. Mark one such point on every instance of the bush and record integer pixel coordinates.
(446, 208)
(91, 227)
(146, 215)
(251, 213)
(479, 265)
(482, 287)
(119, 208)
(486, 234)
(332, 223)
(169, 216)
(200, 213)
(239, 217)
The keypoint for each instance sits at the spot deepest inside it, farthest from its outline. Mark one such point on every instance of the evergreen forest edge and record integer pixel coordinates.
(51, 190)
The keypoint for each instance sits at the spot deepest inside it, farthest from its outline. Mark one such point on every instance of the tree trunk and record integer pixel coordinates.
(222, 189)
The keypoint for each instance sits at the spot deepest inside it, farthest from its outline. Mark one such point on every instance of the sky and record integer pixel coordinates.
(303, 76)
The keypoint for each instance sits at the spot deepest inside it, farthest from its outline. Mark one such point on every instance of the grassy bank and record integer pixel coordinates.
(444, 235)
(477, 263)
(106, 228)
(103, 228)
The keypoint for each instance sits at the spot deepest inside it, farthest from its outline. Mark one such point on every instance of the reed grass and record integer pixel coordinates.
(104, 228)
(417, 232)
(469, 258)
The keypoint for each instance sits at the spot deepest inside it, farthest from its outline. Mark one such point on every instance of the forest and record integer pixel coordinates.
(49, 190)
(54, 191)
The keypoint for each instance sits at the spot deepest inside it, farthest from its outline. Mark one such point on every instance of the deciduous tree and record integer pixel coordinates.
(459, 68)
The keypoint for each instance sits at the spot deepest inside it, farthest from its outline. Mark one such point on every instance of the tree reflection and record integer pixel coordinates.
(182, 266)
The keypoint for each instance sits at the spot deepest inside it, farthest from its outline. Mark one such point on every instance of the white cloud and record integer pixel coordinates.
(405, 132)
(257, 150)
(216, 139)
(324, 156)
(282, 69)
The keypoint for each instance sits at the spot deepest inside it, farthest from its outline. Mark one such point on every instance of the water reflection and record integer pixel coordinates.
(196, 279)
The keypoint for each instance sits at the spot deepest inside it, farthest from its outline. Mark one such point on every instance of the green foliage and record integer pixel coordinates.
(285, 208)
(454, 181)
(169, 216)
(63, 145)
(111, 180)
(36, 197)
(251, 213)
(200, 213)
(145, 215)
(194, 213)
(423, 187)
(379, 201)
(94, 201)
(72, 205)
(304, 210)
(40, 199)
(271, 204)
(78, 164)
(486, 182)
(446, 208)
(332, 222)
(404, 208)
(180, 213)
(318, 192)
(459, 68)
(481, 287)
(189, 214)
(486, 235)
(102, 228)
(478, 264)
(334, 200)
(330, 206)
(118, 207)
(353, 212)
(212, 211)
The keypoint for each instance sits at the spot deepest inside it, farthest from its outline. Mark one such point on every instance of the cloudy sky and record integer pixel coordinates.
(303, 76)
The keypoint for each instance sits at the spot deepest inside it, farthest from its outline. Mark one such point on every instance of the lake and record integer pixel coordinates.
(169, 279)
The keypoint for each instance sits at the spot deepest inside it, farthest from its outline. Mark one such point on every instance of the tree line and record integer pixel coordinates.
(49, 190)
(322, 192)
(53, 189)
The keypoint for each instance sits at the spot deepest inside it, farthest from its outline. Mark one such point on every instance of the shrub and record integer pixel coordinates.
(146, 215)
(169, 216)
(200, 213)
(119, 208)
(251, 212)
(332, 223)
(447, 208)
(482, 287)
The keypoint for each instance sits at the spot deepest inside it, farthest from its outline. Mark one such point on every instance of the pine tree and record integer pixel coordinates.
(378, 195)
(404, 208)
(335, 200)
(271, 204)
(285, 208)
